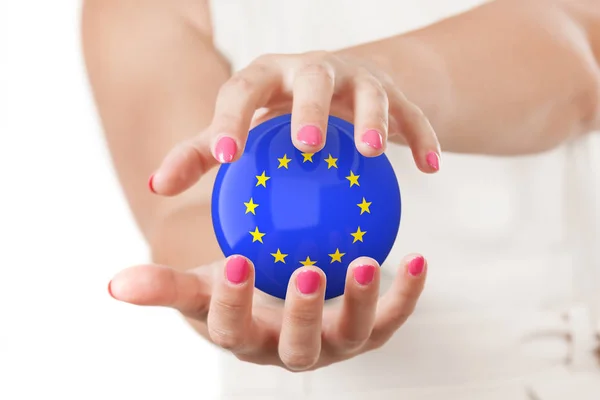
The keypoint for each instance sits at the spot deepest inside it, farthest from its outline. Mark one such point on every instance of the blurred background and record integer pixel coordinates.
(65, 230)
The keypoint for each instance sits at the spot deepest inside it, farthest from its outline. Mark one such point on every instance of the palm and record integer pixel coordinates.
(299, 333)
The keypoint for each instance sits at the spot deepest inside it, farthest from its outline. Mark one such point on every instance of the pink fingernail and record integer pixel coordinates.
(236, 270)
(310, 135)
(151, 184)
(364, 274)
(225, 149)
(433, 160)
(415, 267)
(373, 139)
(308, 281)
(109, 289)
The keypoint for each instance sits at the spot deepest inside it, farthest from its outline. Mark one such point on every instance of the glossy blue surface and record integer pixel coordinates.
(309, 209)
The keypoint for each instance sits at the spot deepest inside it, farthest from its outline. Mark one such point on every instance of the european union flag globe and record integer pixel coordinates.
(283, 209)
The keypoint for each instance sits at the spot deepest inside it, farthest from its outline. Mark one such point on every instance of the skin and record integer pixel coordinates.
(166, 97)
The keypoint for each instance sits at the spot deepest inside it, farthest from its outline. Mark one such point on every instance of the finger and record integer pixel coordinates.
(230, 313)
(239, 98)
(224, 140)
(300, 337)
(154, 285)
(400, 300)
(313, 89)
(355, 322)
(417, 131)
(182, 167)
(371, 110)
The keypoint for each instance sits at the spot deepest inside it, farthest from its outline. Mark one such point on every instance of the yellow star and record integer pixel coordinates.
(307, 262)
(337, 256)
(358, 235)
(353, 179)
(307, 157)
(283, 162)
(262, 179)
(251, 206)
(257, 236)
(279, 256)
(364, 206)
(331, 162)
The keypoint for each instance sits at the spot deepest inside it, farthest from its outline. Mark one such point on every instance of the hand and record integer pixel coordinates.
(312, 86)
(302, 335)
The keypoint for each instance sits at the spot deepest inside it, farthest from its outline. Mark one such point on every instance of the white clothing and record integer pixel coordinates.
(498, 308)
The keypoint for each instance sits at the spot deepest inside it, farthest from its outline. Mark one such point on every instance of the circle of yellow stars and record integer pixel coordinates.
(261, 180)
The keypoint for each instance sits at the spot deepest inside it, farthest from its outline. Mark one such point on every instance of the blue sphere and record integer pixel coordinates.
(283, 209)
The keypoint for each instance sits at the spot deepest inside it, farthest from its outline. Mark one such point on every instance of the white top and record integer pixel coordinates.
(498, 306)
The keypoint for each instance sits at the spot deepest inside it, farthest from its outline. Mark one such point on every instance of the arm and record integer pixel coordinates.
(155, 76)
(508, 77)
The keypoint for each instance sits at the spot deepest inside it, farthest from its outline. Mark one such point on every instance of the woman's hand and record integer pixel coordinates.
(311, 86)
(302, 334)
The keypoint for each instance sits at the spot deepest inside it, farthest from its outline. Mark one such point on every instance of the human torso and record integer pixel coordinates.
(499, 277)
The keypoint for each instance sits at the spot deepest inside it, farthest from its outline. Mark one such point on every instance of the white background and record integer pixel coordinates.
(65, 230)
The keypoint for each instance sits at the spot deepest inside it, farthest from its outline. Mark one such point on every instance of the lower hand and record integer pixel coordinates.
(304, 333)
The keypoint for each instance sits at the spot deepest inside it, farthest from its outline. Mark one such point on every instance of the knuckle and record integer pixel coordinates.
(352, 342)
(401, 314)
(229, 308)
(373, 87)
(318, 55)
(240, 84)
(319, 70)
(225, 338)
(377, 341)
(296, 360)
(312, 109)
(264, 59)
(227, 122)
(302, 318)
(415, 112)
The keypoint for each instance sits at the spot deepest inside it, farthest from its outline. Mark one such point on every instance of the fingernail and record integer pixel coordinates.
(236, 270)
(225, 149)
(372, 138)
(310, 135)
(109, 290)
(151, 183)
(433, 160)
(308, 281)
(364, 274)
(415, 267)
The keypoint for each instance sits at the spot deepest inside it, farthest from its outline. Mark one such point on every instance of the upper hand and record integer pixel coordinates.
(312, 86)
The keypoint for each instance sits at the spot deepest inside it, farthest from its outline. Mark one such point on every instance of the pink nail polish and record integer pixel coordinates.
(109, 289)
(364, 274)
(151, 184)
(310, 135)
(225, 149)
(373, 139)
(236, 270)
(433, 160)
(415, 267)
(308, 281)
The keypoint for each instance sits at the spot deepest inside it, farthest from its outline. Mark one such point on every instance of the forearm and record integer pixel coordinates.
(509, 77)
(155, 76)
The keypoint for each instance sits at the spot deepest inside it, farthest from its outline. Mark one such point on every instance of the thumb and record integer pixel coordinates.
(156, 285)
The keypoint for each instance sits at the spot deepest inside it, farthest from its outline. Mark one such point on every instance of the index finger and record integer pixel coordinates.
(224, 140)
